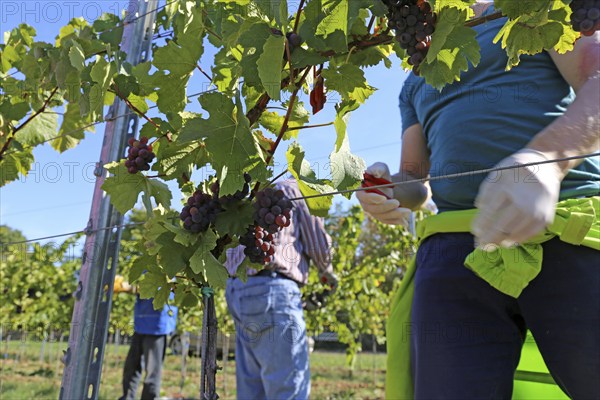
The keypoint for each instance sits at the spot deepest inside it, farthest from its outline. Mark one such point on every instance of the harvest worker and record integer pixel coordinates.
(148, 345)
(271, 350)
(458, 323)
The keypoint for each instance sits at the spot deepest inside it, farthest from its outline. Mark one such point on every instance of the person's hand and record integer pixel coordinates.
(516, 204)
(378, 206)
(330, 279)
(121, 285)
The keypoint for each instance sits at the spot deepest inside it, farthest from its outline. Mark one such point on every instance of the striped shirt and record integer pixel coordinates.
(304, 240)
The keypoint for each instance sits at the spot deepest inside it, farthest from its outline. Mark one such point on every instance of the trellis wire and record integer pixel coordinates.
(359, 189)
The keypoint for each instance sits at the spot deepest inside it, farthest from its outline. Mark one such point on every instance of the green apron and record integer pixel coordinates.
(508, 270)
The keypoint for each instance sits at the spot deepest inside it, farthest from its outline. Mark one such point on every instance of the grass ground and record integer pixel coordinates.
(24, 376)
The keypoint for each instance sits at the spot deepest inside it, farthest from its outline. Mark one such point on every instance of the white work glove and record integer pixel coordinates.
(516, 204)
(377, 206)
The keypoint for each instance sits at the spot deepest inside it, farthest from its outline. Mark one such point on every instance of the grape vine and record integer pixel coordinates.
(267, 58)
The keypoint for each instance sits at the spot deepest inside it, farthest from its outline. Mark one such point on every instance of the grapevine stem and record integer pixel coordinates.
(204, 73)
(286, 120)
(284, 126)
(208, 29)
(297, 22)
(134, 108)
(28, 120)
(370, 25)
(484, 19)
(385, 39)
(295, 128)
(277, 177)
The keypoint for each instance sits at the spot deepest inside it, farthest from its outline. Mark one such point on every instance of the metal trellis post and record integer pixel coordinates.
(89, 326)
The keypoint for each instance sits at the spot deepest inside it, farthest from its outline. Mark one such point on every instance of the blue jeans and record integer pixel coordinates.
(271, 350)
(467, 336)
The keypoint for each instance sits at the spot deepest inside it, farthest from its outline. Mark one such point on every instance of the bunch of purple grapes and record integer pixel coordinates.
(259, 245)
(586, 16)
(139, 155)
(414, 22)
(273, 210)
(200, 212)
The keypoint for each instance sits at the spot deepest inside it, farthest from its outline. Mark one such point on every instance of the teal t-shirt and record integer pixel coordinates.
(488, 115)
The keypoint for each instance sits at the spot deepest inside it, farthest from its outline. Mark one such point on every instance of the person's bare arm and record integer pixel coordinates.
(577, 131)
(414, 164)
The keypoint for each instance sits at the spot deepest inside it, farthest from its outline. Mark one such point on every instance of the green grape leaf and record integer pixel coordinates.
(360, 94)
(41, 128)
(216, 273)
(139, 265)
(77, 56)
(171, 255)
(110, 28)
(67, 78)
(272, 9)
(514, 9)
(230, 142)
(273, 121)
(14, 163)
(346, 168)
(372, 56)
(182, 236)
(177, 159)
(126, 85)
(151, 283)
(146, 81)
(453, 48)
(336, 18)
(341, 122)
(251, 43)
(225, 71)
(179, 60)
(302, 58)
(344, 79)
(308, 182)
(190, 300)
(203, 262)
(124, 188)
(101, 73)
(8, 56)
(325, 26)
(235, 219)
(13, 112)
(269, 67)
(171, 93)
(72, 129)
(533, 33)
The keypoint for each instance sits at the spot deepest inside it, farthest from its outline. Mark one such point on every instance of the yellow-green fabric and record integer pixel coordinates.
(577, 221)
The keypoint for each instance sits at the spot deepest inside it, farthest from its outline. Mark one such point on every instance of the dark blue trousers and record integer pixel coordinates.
(146, 353)
(467, 336)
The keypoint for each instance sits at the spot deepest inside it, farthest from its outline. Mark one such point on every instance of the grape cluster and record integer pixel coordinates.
(139, 155)
(200, 212)
(414, 22)
(259, 245)
(586, 16)
(273, 210)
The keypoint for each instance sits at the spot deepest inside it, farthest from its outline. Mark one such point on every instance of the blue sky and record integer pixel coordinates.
(56, 196)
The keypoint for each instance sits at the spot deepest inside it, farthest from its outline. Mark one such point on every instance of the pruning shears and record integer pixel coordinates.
(370, 180)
